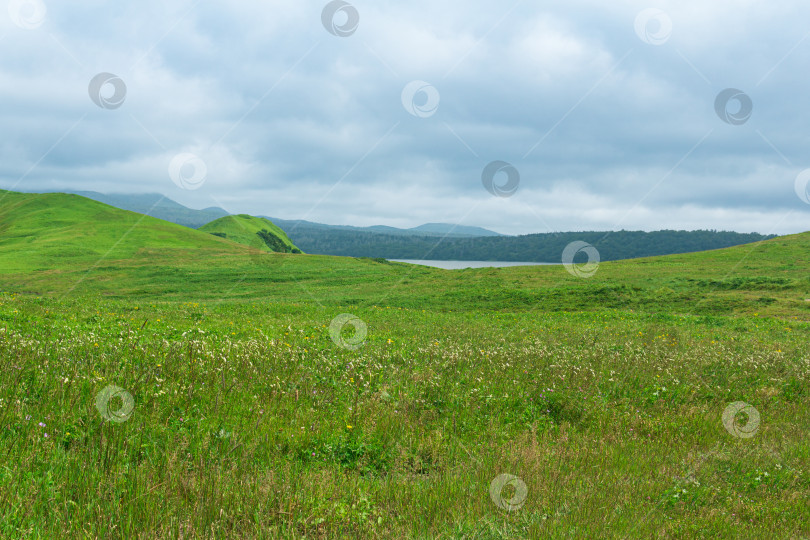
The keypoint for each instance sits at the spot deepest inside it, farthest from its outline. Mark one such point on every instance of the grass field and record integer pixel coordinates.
(245, 410)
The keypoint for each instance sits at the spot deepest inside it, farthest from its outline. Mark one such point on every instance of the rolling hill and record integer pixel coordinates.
(65, 244)
(58, 232)
(256, 232)
(440, 241)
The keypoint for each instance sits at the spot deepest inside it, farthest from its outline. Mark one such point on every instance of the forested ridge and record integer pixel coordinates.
(544, 247)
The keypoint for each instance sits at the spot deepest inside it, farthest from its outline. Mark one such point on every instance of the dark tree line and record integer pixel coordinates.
(275, 243)
(546, 247)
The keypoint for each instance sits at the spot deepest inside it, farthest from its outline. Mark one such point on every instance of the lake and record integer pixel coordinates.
(458, 265)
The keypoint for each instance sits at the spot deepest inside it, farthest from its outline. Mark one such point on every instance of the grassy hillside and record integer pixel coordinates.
(59, 244)
(162, 382)
(257, 232)
(54, 231)
(64, 241)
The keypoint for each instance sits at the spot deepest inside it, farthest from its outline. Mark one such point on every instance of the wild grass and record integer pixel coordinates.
(605, 397)
(250, 421)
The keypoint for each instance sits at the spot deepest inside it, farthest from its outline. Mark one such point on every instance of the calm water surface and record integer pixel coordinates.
(457, 265)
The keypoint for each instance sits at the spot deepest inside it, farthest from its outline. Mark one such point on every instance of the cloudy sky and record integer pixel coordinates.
(582, 115)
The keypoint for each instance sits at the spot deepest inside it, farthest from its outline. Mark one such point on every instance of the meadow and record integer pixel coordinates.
(195, 388)
(249, 420)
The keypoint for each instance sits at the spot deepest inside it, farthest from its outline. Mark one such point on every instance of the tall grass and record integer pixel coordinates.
(249, 420)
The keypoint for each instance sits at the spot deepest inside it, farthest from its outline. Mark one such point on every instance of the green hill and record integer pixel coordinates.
(58, 233)
(48, 230)
(251, 231)
(60, 244)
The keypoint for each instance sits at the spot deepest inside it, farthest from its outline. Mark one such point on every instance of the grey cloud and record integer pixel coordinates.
(281, 111)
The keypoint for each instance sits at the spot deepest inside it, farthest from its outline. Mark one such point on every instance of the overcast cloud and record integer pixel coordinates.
(611, 123)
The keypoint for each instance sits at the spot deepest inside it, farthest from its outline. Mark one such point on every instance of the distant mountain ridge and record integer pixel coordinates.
(158, 206)
(446, 228)
(161, 207)
(428, 229)
(429, 241)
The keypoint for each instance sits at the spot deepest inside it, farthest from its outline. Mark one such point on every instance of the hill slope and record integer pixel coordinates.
(251, 231)
(65, 244)
(57, 232)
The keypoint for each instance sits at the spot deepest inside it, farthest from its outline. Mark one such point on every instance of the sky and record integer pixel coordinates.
(521, 117)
